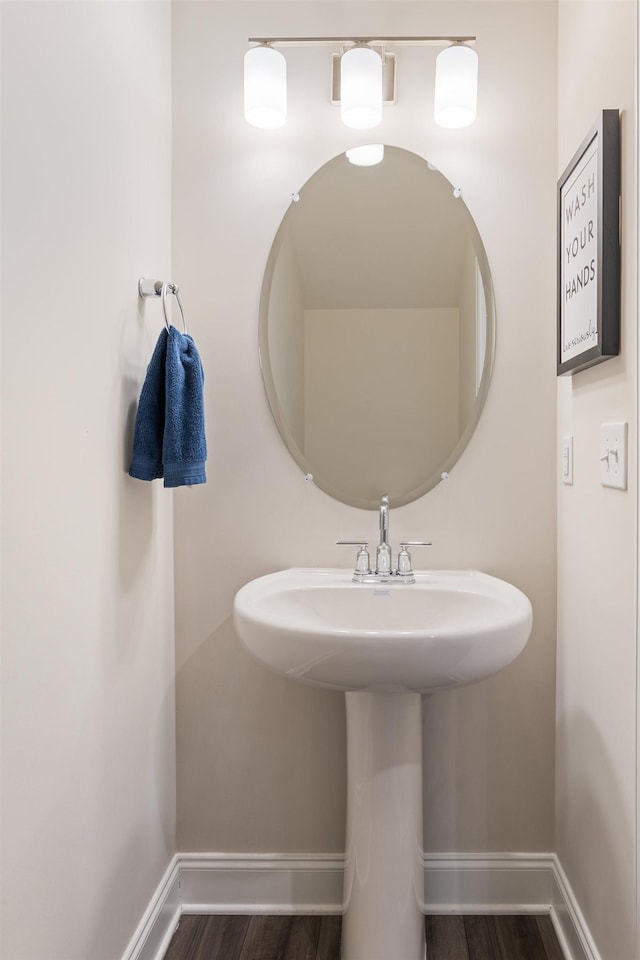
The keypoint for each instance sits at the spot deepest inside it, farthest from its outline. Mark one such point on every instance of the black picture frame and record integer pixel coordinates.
(589, 250)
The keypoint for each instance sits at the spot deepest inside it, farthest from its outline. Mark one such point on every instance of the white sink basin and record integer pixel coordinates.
(446, 629)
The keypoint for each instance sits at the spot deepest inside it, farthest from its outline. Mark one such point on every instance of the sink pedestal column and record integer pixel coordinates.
(384, 873)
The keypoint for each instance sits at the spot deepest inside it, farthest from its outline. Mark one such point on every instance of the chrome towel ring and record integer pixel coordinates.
(162, 288)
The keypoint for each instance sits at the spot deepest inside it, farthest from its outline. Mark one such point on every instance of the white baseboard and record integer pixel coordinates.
(261, 883)
(509, 883)
(154, 932)
(312, 883)
(571, 927)
(487, 883)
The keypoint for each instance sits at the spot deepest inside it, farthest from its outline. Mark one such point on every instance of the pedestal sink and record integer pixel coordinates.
(385, 645)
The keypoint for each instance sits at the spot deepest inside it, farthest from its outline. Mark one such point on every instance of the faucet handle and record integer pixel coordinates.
(405, 569)
(363, 566)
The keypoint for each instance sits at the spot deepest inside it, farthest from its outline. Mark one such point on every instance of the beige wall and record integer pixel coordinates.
(596, 702)
(88, 807)
(261, 759)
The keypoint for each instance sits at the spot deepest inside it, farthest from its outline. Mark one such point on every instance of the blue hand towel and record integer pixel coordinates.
(169, 439)
(184, 446)
(146, 463)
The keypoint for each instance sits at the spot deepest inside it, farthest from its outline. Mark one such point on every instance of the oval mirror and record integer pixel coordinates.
(377, 328)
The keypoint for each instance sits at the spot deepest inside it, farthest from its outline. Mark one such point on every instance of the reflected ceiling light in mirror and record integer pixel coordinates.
(456, 90)
(367, 155)
(265, 88)
(361, 88)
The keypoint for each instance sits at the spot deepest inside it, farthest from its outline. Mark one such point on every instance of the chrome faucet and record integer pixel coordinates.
(383, 550)
(383, 572)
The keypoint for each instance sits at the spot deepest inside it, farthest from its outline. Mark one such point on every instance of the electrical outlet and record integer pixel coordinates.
(613, 455)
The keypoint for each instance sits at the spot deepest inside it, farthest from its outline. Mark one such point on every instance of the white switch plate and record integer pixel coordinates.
(566, 460)
(613, 455)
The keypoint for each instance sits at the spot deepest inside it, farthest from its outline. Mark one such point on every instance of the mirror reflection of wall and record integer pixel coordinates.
(375, 328)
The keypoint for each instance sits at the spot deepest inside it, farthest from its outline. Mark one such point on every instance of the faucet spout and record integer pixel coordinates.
(383, 551)
(384, 520)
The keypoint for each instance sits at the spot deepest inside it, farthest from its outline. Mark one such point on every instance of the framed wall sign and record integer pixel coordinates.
(589, 250)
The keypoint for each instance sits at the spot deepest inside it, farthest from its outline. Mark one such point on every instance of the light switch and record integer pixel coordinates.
(566, 460)
(613, 455)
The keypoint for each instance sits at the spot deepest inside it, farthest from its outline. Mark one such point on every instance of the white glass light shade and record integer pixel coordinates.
(361, 88)
(367, 155)
(456, 86)
(265, 88)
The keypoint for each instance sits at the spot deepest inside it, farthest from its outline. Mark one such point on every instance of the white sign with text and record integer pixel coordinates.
(579, 257)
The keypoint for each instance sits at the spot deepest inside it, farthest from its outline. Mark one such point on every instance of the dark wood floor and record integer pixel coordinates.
(318, 938)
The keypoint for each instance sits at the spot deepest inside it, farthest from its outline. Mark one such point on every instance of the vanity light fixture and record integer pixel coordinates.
(265, 87)
(456, 90)
(367, 155)
(363, 78)
(361, 87)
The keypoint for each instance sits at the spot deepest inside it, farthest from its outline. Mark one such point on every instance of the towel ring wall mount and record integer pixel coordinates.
(161, 288)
